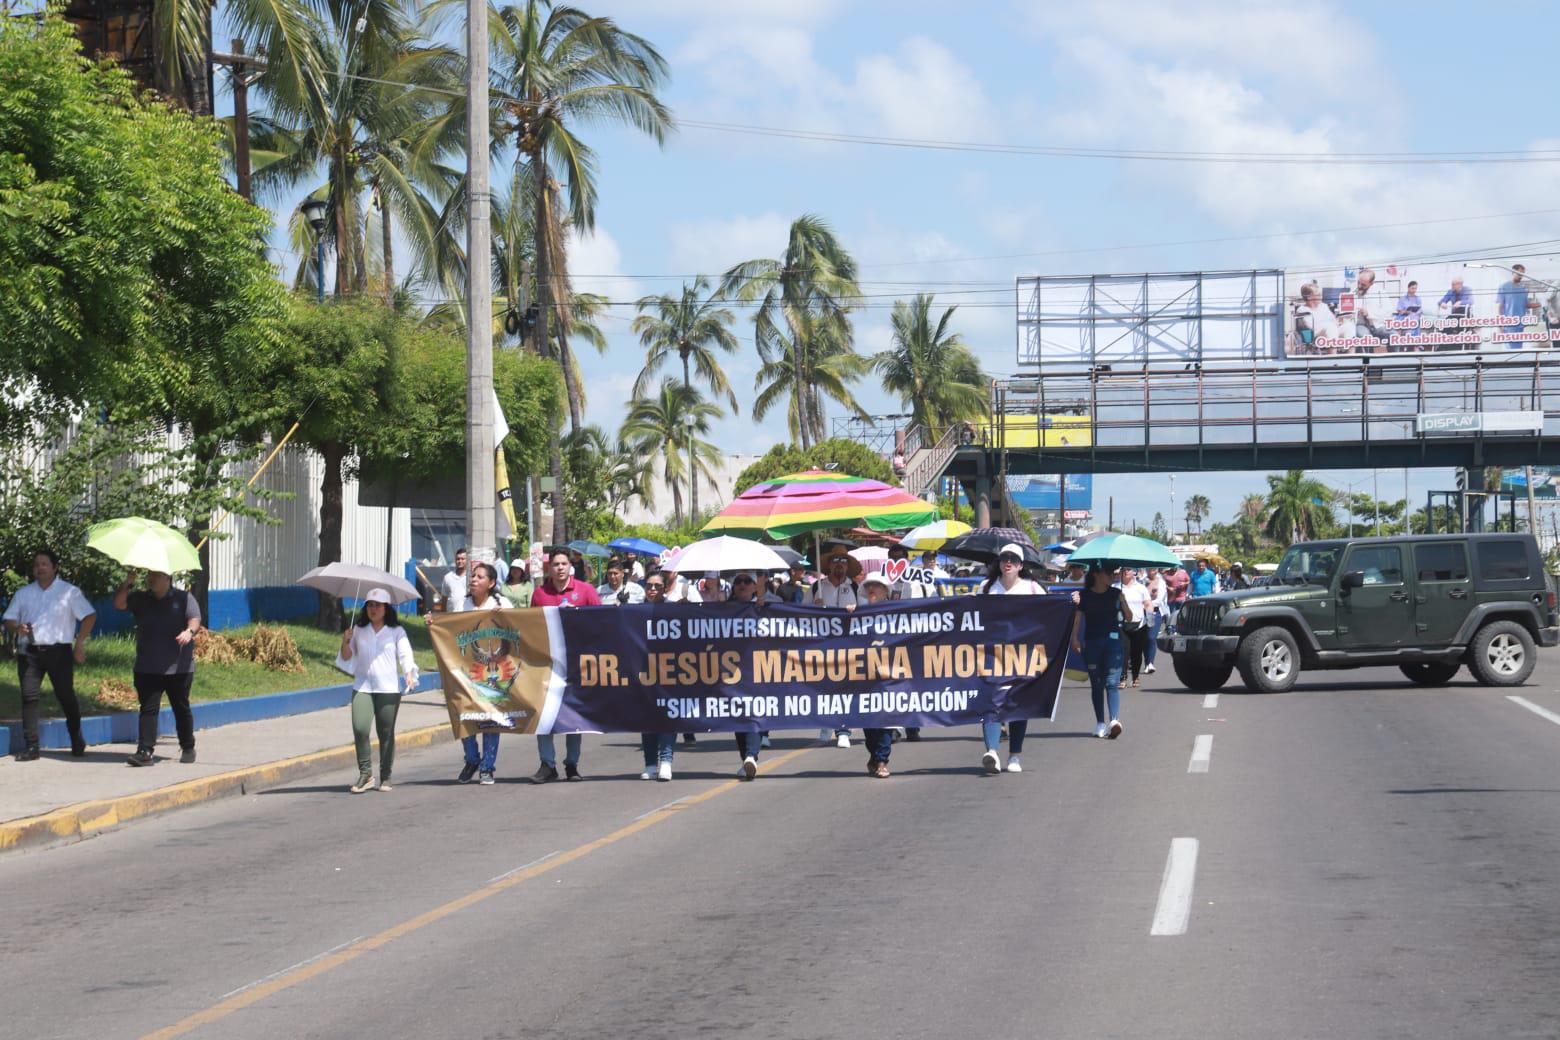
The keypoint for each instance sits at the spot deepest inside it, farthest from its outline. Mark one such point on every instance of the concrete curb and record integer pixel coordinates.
(88, 819)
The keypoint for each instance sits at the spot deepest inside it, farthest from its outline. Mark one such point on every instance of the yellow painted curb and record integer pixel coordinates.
(86, 819)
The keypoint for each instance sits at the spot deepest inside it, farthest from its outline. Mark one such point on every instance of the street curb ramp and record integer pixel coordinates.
(85, 820)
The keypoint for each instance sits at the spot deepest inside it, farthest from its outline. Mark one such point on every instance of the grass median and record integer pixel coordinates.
(112, 657)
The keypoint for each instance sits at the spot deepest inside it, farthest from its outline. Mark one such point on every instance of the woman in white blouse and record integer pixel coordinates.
(379, 655)
(1007, 577)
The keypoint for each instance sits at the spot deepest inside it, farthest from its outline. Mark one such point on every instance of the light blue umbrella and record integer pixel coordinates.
(640, 546)
(1124, 550)
(585, 548)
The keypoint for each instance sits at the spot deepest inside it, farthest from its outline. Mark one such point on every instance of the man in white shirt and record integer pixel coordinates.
(838, 589)
(51, 621)
(454, 584)
(1139, 601)
(618, 590)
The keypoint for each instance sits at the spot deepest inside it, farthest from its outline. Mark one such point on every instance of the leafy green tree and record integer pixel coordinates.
(1299, 507)
(669, 426)
(1197, 508)
(844, 456)
(932, 370)
(802, 327)
(1159, 530)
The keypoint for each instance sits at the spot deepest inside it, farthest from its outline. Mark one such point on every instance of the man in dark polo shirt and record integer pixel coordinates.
(166, 620)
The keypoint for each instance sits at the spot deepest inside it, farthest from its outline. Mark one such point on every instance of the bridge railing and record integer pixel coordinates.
(928, 462)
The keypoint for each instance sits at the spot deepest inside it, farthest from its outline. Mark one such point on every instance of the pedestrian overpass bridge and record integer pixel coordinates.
(1376, 411)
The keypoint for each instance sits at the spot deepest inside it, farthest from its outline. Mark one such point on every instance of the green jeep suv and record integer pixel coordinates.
(1426, 603)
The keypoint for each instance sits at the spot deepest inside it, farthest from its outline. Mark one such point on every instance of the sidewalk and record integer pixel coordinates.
(61, 799)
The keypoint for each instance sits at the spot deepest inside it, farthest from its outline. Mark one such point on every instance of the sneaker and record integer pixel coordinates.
(912, 733)
(689, 738)
(467, 773)
(896, 734)
(1102, 730)
(648, 773)
(872, 764)
(78, 745)
(572, 771)
(187, 757)
(825, 736)
(749, 768)
(1115, 729)
(1149, 669)
(485, 778)
(142, 757)
(365, 783)
(991, 762)
(1014, 765)
(31, 754)
(880, 770)
(384, 785)
(842, 740)
(1135, 683)
(544, 774)
(663, 772)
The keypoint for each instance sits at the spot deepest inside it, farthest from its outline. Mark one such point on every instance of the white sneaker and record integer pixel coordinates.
(1102, 730)
(992, 762)
(749, 767)
(1149, 669)
(1115, 729)
(648, 774)
(1014, 765)
(843, 740)
(825, 736)
(663, 772)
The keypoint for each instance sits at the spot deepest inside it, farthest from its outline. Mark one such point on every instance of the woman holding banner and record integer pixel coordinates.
(1009, 578)
(1102, 610)
(481, 594)
(378, 653)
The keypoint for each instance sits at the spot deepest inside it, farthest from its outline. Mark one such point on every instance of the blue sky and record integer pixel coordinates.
(1126, 74)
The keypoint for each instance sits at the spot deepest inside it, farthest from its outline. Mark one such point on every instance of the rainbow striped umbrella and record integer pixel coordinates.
(801, 502)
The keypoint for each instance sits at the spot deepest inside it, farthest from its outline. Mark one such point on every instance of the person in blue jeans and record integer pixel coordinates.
(879, 741)
(1101, 611)
(1009, 576)
(658, 749)
(481, 594)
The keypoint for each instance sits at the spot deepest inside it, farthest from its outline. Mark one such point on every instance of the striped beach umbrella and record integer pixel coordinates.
(800, 502)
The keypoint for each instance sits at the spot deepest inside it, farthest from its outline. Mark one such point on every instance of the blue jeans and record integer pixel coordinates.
(1155, 622)
(658, 747)
(879, 742)
(549, 751)
(748, 744)
(1104, 657)
(992, 731)
(489, 751)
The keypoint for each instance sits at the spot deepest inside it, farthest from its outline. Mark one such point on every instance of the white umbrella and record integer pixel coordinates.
(726, 553)
(351, 580)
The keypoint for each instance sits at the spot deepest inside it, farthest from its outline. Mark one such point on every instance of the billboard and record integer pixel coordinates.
(1546, 481)
(1419, 309)
(1042, 494)
(1039, 431)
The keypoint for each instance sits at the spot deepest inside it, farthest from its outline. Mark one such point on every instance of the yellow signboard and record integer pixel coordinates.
(1039, 431)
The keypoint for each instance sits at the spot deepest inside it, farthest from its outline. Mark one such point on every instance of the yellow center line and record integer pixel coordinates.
(313, 969)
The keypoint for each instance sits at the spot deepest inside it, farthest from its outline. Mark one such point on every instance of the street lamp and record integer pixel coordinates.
(314, 212)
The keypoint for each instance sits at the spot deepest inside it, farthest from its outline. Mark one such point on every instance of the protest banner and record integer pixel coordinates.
(680, 667)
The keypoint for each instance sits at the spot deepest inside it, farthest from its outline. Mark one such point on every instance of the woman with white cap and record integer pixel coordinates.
(379, 654)
(1011, 578)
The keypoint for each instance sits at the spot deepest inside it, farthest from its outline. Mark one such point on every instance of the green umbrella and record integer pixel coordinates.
(144, 544)
(1123, 550)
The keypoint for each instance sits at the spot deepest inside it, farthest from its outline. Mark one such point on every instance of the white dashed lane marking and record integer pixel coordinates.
(1202, 753)
(1174, 911)
(1211, 700)
(1543, 713)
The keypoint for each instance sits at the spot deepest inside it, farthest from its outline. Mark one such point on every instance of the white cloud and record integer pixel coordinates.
(921, 91)
(710, 246)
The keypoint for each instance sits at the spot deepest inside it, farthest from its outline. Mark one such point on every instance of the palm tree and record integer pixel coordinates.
(1197, 507)
(691, 327)
(1297, 507)
(933, 371)
(668, 426)
(1252, 507)
(802, 326)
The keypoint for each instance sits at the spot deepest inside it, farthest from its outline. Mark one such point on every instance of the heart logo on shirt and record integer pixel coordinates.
(893, 570)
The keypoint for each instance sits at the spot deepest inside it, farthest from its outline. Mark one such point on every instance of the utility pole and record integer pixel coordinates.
(246, 70)
(1172, 509)
(480, 488)
(1375, 501)
(1527, 478)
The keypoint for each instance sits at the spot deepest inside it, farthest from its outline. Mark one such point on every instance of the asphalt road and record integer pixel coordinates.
(1356, 858)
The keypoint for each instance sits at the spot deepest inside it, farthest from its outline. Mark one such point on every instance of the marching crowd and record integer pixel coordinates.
(1121, 611)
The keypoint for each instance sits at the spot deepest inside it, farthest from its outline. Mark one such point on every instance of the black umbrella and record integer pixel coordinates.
(788, 554)
(983, 544)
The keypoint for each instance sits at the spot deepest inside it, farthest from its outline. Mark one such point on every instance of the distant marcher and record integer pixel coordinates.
(796, 589)
(1204, 580)
(1178, 582)
(482, 594)
(618, 590)
(744, 589)
(166, 620)
(1101, 610)
(1238, 579)
(898, 463)
(1158, 614)
(1138, 601)
(381, 659)
(51, 621)
(561, 589)
(1010, 577)
(838, 589)
(454, 584)
(880, 742)
(518, 586)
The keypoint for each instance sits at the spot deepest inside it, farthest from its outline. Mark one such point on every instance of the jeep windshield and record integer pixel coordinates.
(1309, 564)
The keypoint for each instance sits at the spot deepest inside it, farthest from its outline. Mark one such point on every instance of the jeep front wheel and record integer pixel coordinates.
(1268, 660)
(1204, 675)
(1430, 673)
(1502, 654)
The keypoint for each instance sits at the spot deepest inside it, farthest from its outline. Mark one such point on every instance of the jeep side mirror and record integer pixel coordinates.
(1351, 580)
